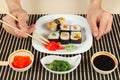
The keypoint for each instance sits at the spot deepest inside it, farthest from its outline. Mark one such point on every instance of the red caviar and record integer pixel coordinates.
(53, 46)
(21, 61)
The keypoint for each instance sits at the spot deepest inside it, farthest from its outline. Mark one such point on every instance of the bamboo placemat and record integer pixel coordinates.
(109, 42)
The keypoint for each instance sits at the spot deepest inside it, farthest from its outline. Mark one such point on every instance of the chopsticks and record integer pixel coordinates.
(8, 13)
(22, 32)
(43, 38)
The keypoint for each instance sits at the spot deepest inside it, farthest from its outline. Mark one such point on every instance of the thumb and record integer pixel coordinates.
(31, 29)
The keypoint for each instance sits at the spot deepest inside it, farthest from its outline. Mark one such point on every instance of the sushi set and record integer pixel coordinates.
(63, 33)
(70, 34)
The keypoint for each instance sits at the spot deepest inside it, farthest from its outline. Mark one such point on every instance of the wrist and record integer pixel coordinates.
(95, 3)
(13, 5)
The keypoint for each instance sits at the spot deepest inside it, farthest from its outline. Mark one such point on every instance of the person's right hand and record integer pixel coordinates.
(20, 24)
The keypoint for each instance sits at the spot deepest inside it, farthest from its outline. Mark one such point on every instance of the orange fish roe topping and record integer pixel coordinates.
(65, 26)
(77, 36)
(21, 61)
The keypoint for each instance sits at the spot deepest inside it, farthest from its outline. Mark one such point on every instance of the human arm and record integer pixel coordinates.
(100, 20)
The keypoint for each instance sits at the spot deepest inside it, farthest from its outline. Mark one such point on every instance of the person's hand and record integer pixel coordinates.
(100, 21)
(20, 24)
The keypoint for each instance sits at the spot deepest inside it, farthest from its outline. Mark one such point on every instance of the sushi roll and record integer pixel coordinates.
(53, 36)
(64, 28)
(75, 37)
(64, 38)
(55, 24)
(75, 28)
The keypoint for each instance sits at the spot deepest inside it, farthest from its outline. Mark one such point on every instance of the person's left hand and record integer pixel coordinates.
(100, 21)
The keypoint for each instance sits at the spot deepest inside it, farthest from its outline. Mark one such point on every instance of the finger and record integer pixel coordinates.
(22, 22)
(103, 25)
(23, 18)
(94, 28)
(109, 25)
(14, 32)
(31, 29)
(9, 30)
(11, 21)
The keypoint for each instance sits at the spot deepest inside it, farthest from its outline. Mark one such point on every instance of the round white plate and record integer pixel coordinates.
(41, 27)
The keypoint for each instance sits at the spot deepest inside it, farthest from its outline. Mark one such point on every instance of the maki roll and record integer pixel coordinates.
(75, 28)
(75, 37)
(55, 24)
(64, 38)
(65, 28)
(53, 36)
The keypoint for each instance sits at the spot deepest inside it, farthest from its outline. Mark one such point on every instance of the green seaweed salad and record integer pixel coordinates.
(59, 65)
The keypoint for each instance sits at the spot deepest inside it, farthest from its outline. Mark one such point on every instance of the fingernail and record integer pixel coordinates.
(97, 38)
(95, 34)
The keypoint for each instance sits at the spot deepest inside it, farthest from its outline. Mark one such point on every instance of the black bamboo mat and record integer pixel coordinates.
(109, 42)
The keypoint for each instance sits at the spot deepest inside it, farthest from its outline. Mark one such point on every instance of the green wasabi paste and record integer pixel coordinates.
(59, 65)
(70, 47)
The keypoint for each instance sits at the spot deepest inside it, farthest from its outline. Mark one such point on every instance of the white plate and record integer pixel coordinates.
(41, 27)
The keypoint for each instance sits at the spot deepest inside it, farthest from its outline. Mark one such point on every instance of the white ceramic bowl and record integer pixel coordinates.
(74, 62)
(20, 53)
(107, 54)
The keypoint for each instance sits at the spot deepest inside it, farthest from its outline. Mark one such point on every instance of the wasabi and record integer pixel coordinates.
(59, 65)
(70, 47)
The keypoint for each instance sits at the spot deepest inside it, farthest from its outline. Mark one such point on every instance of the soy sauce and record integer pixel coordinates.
(104, 62)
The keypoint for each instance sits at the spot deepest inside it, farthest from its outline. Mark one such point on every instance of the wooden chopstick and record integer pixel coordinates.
(22, 31)
(4, 63)
(8, 13)
(41, 36)
(17, 20)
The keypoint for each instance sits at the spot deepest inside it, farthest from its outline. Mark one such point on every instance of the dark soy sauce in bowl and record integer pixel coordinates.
(104, 62)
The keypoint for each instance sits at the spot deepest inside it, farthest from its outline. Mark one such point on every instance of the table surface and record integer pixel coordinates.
(109, 42)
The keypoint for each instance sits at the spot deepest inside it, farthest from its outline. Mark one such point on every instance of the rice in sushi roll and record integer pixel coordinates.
(75, 37)
(65, 28)
(75, 28)
(55, 24)
(64, 38)
(53, 36)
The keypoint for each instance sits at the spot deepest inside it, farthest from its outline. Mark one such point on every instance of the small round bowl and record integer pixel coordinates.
(106, 54)
(20, 53)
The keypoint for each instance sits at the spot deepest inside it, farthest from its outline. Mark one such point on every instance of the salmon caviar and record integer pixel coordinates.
(21, 61)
